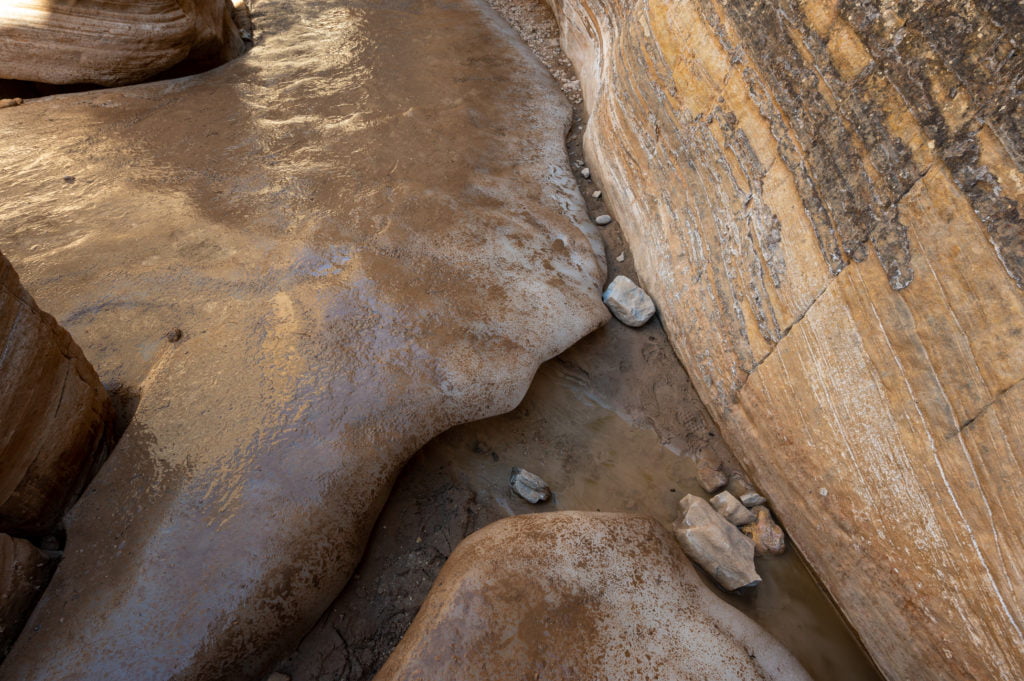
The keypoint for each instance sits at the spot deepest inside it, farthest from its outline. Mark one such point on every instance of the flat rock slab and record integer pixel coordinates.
(307, 263)
(597, 596)
(715, 544)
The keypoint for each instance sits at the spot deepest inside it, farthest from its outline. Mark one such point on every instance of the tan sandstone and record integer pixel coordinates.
(823, 200)
(574, 595)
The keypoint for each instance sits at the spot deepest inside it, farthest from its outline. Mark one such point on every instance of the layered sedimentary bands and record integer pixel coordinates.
(306, 263)
(580, 596)
(823, 198)
(56, 414)
(108, 42)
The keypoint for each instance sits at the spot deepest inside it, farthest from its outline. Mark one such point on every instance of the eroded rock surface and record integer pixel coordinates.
(307, 263)
(107, 42)
(598, 596)
(24, 571)
(54, 414)
(823, 200)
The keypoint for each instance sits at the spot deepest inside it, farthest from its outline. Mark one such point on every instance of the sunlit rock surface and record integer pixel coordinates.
(574, 595)
(308, 262)
(823, 200)
(54, 413)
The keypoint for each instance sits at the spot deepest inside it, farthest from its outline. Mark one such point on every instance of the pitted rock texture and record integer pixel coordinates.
(54, 414)
(597, 596)
(307, 263)
(107, 42)
(823, 200)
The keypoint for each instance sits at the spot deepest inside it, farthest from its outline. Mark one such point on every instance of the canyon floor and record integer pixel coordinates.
(194, 301)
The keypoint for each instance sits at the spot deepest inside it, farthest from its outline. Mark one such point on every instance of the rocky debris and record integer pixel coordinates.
(711, 476)
(597, 596)
(55, 413)
(768, 537)
(24, 572)
(621, 257)
(585, 173)
(730, 508)
(529, 486)
(9, 102)
(597, 194)
(603, 220)
(715, 544)
(741, 488)
(628, 302)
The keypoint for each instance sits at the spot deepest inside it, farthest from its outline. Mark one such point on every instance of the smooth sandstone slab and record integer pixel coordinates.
(112, 43)
(574, 595)
(54, 413)
(307, 263)
(823, 198)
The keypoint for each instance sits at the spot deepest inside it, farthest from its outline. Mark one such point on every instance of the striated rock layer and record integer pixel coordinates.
(307, 263)
(54, 414)
(823, 199)
(111, 42)
(574, 595)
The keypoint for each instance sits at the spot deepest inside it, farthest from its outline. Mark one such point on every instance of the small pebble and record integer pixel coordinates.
(752, 499)
(710, 476)
(173, 336)
(585, 173)
(597, 194)
(529, 486)
(13, 101)
(603, 219)
(70, 179)
(621, 257)
(730, 508)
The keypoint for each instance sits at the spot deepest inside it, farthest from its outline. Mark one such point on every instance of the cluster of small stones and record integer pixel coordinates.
(725, 535)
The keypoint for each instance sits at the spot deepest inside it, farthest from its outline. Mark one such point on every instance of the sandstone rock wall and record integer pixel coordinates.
(107, 42)
(823, 198)
(580, 596)
(53, 413)
(24, 572)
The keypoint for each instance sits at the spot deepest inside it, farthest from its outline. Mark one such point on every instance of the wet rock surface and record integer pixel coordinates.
(333, 316)
(768, 537)
(24, 572)
(599, 596)
(824, 200)
(730, 508)
(715, 544)
(113, 43)
(54, 413)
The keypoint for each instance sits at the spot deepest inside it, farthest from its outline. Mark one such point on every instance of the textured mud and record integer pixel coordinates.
(292, 272)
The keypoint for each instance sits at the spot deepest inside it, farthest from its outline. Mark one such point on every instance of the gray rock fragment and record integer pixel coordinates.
(597, 194)
(628, 302)
(603, 219)
(740, 488)
(529, 486)
(710, 476)
(715, 544)
(730, 508)
(585, 173)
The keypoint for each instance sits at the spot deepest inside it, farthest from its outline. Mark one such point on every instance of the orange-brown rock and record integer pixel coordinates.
(307, 263)
(823, 200)
(54, 413)
(574, 595)
(107, 42)
(24, 571)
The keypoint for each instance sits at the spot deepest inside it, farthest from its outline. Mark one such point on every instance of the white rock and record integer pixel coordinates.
(529, 486)
(621, 257)
(715, 544)
(628, 302)
(603, 219)
(585, 173)
(730, 508)
(597, 194)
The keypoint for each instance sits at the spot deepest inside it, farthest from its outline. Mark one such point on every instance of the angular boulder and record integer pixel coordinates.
(307, 263)
(106, 42)
(54, 413)
(825, 199)
(715, 544)
(597, 596)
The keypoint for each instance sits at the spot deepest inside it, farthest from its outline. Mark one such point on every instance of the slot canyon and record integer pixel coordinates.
(511, 339)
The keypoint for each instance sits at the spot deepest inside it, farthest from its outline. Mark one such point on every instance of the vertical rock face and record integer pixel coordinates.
(823, 200)
(24, 571)
(580, 596)
(53, 412)
(107, 42)
(308, 263)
